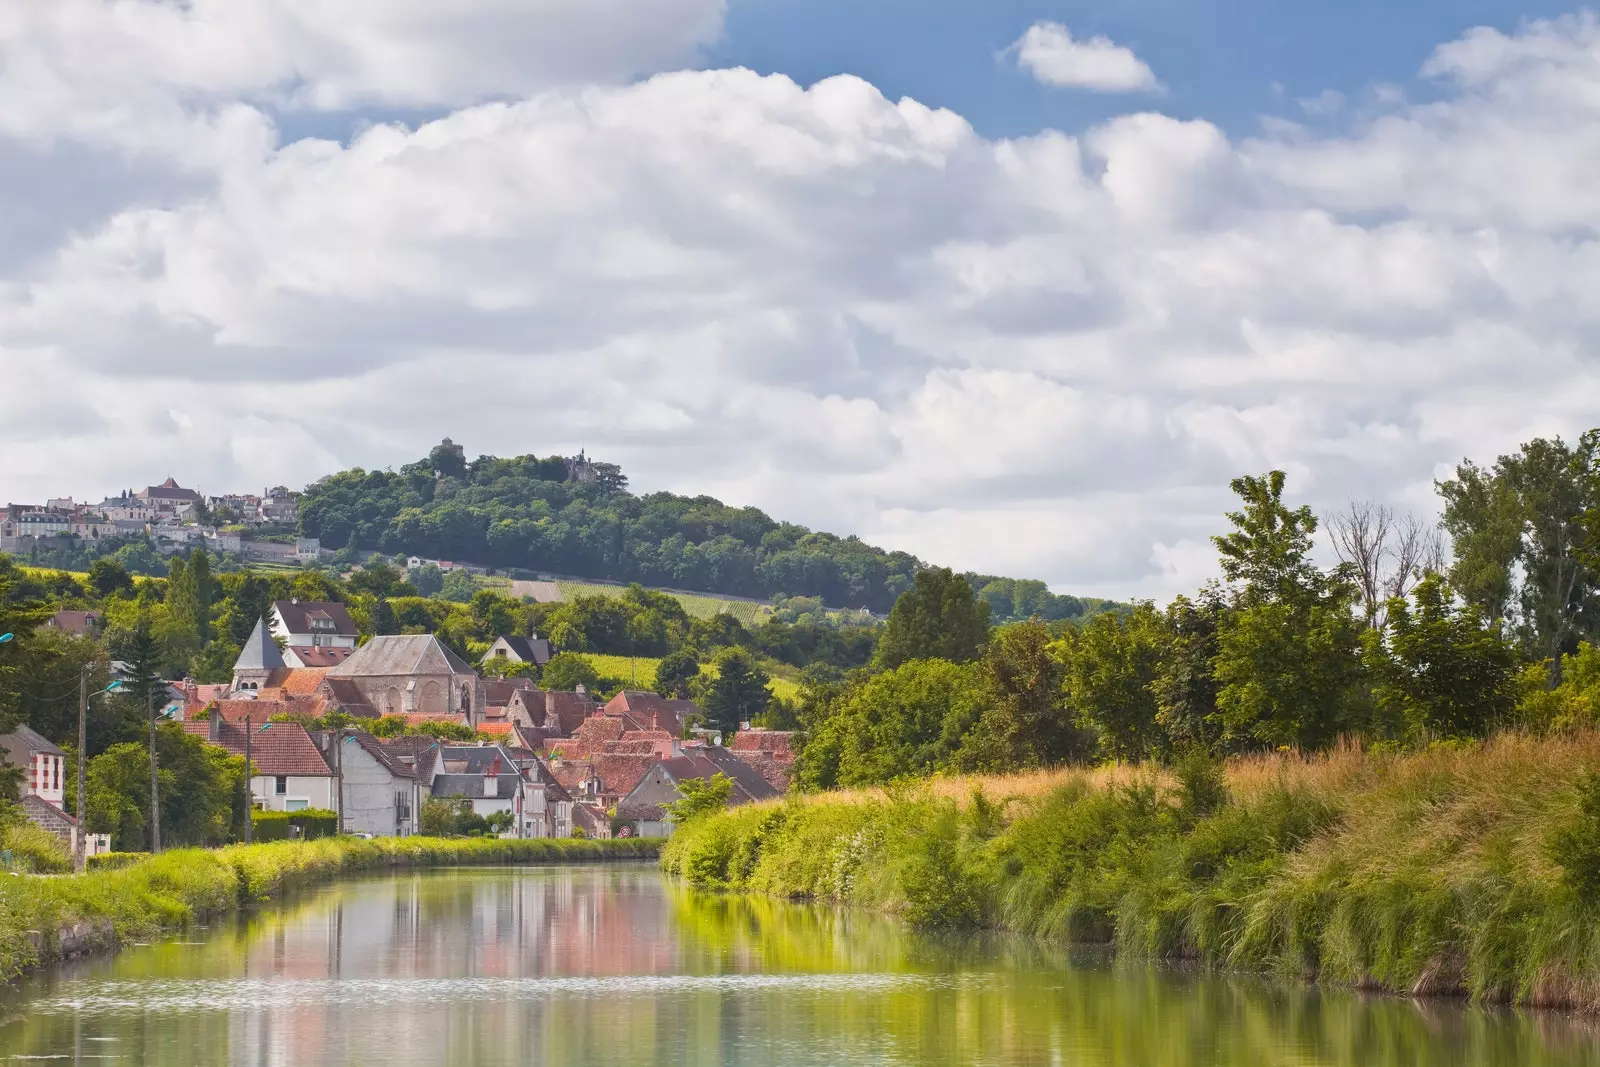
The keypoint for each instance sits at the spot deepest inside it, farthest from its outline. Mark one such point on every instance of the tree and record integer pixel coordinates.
(190, 593)
(1268, 554)
(1387, 556)
(383, 620)
(1185, 684)
(939, 617)
(908, 721)
(738, 692)
(21, 616)
(1526, 545)
(108, 577)
(1288, 661)
(1029, 722)
(201, 791)
(448, 460)
(568, 670)
(428, 579)
(1442, 670)
(380, 580)
(674, 673)
(1111, 668)
(700, 796)
(141, 656)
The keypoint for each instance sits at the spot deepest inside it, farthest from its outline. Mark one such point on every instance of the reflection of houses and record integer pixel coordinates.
(413, 674)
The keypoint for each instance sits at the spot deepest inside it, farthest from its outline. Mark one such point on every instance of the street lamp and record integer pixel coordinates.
(79, 856)
(6, 637)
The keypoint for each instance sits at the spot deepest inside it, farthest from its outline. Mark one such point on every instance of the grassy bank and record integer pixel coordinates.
(167, 892)
(1463, 869)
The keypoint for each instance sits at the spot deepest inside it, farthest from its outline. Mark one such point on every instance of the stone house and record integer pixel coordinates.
(380, 788)
(413, 674)
(313, 624)
(533, 649)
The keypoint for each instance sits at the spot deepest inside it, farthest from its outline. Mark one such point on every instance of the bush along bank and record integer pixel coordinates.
(1465, 869)
(44, 918)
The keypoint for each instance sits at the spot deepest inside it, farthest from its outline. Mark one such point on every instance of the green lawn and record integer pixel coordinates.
(749, 613)
(640, 672)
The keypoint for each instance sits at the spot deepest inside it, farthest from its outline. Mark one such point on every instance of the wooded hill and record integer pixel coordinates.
(577, 518)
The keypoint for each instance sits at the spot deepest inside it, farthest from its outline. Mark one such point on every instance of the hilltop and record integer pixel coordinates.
(574, 516)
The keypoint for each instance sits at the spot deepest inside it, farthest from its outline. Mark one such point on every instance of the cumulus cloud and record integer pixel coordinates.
(1051, 54)
(1041, 356)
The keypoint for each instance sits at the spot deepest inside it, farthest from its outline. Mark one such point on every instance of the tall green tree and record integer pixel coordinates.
(1185, 685)
(939, 617)
(1440, 669)
(1111, 668)
(202, 787)
(1029, 721)
(675, 672)
(737, 694)
(190, 594)
(383, 620)
(908, 721)
(1525, 537)
(21, 613)
(1288, 661)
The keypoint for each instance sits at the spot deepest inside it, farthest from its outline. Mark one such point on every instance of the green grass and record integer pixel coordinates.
(698, 606)
(1457, 870)
(640, 672)
(169, 892)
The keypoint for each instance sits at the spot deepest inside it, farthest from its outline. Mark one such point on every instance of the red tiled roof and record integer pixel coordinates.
(647, 711)
(619, 773)
(320, 655)
(284, 748)
(303, 681)
(495, 729)
(778, 743)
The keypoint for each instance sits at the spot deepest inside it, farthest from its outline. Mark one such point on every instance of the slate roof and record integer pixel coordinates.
(706, 762)
(393, 655)
(570, 709)
(284, 748)
(497, 692)
(526, 649)
(260, 652)
(297, 616)
(389, 758)
(82, 623)
(348, 696)
(23, 741)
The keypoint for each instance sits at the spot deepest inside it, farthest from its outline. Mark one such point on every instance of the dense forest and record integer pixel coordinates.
(536, 514)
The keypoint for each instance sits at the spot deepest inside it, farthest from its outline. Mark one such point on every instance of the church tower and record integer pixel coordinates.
(260, 664)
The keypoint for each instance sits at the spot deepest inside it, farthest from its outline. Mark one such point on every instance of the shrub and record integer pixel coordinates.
(1575, 846)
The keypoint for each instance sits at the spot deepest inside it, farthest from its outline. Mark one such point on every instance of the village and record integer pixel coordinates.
(545, 764)
(542, 763)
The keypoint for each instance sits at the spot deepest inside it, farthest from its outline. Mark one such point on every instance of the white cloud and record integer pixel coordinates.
(1049, 52)
(1043, 356)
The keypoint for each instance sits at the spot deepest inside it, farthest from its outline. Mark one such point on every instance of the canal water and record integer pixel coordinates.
(613, 966)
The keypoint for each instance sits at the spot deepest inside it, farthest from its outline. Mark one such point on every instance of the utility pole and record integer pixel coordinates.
(249, 794)
(79, 857)
(155, 779)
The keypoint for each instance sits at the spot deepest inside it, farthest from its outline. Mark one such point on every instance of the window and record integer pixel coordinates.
(297, 804)
(280, 785)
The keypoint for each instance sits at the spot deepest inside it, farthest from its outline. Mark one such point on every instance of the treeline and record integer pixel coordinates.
(524, 513)
(1398, 642)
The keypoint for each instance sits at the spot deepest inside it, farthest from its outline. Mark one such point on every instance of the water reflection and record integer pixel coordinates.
(610, 966)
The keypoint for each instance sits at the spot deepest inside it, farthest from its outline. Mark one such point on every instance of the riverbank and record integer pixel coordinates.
(1469, 869)
(45, 918)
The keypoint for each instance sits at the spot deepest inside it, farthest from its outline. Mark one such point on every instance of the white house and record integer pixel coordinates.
(288, 770)
(491, 781)
(44, 787)
(312, 624)
(381, 792)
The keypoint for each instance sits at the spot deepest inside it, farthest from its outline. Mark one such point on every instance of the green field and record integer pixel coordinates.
(640, 672)
(749, 613)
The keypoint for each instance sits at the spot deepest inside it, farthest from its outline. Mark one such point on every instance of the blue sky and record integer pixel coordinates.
(1220, 60)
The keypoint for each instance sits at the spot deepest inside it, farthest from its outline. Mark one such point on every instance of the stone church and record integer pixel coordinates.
(413, 674)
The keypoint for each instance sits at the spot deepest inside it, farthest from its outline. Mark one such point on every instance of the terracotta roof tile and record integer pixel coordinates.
(284, 748)
(303, 681)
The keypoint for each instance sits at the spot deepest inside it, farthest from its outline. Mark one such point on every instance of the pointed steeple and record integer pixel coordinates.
(260, 652)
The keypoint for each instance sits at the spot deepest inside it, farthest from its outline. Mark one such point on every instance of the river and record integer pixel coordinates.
(613, 966)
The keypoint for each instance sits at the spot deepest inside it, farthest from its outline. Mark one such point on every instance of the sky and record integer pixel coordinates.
(1018, 287)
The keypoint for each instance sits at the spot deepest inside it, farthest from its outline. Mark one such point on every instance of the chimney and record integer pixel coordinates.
(214, 727)
(655, 720)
